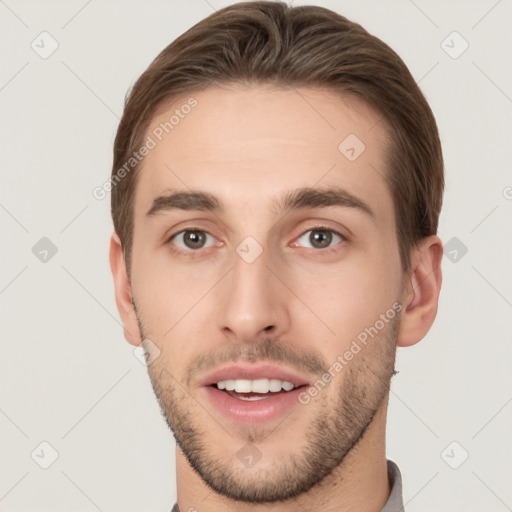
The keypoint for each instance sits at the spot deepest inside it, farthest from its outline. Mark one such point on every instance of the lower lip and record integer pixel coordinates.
(253, 411)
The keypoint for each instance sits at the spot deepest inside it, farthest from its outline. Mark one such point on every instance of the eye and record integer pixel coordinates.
(191, 239)
(319, 238)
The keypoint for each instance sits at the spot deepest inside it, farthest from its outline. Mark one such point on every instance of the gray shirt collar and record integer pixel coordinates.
(395, 501)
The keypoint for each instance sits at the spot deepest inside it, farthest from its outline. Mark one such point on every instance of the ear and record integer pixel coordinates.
(421, 291)
(123, 292)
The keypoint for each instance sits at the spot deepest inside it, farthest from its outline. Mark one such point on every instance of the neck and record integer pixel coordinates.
(360, 482)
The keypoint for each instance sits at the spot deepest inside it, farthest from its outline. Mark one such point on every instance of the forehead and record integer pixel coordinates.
(248, 145)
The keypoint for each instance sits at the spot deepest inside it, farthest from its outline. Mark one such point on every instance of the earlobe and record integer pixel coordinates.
(421, 293)
(123, 292)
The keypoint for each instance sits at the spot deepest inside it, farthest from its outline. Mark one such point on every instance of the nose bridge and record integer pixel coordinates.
(253, 299)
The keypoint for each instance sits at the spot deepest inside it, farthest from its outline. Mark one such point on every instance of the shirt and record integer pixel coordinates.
(395, 501)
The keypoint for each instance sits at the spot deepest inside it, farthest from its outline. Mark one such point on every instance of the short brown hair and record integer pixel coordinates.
(271, 42)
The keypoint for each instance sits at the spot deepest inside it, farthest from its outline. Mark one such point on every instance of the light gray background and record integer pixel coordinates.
(67, 376)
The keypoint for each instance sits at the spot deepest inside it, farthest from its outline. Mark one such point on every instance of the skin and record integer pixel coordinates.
(298, 305)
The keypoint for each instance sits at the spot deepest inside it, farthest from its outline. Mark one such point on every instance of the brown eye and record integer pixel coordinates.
(319, 238)
(191, 239)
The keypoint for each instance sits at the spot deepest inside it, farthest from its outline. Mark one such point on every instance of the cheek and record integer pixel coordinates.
(167, 295)
(350, 298)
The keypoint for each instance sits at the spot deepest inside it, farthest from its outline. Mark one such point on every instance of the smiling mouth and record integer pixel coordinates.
(257, 389)
(254, 401)
(254, 396)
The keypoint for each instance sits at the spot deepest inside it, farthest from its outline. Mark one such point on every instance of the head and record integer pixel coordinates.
(276, 188)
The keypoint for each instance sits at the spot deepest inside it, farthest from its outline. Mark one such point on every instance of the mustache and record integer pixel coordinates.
(269, 350)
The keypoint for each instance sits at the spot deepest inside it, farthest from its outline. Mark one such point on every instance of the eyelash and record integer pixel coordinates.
(192, 251)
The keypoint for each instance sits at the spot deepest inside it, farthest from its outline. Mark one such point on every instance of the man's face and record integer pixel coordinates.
(251, 283)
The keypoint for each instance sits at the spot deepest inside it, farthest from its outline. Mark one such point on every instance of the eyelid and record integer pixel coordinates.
(322, 228)
(316, 227)
(189, 251)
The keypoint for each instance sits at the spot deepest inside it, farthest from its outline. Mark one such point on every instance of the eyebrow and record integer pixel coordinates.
(299, 199)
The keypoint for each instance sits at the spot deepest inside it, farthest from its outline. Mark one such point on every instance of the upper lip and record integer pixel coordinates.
(252, 372)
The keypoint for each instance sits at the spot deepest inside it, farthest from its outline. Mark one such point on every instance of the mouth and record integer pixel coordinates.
(253, 393)
(257, 389)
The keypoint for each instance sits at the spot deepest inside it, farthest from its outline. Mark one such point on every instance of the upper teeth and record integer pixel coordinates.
(255, 386)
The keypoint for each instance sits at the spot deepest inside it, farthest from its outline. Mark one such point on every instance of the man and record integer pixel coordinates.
(276, 189)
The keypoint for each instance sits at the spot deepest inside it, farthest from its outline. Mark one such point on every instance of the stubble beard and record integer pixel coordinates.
(338, 425)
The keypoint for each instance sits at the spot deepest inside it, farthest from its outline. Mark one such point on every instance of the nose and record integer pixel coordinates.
(253, 302)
